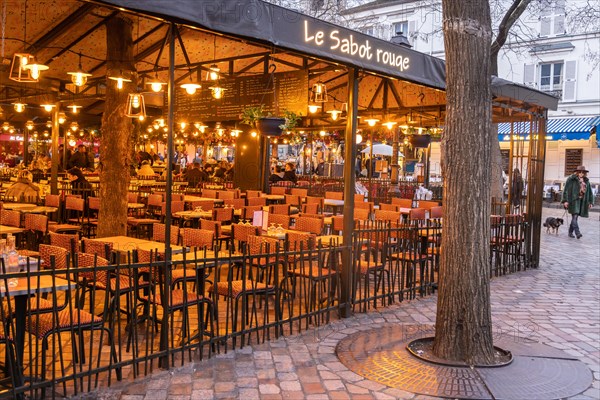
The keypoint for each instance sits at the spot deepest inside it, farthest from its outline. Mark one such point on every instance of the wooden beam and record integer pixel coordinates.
(379, 87)
(60, 28)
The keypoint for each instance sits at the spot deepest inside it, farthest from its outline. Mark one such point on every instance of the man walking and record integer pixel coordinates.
(577, 198)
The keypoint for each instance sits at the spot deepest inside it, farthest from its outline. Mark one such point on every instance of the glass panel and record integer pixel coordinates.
(557, 75)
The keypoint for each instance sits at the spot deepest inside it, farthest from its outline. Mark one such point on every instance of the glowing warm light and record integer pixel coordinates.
(235, 132)
(36, 69)
(135, 101)
(371, 121)
(149, 129)
(313, 108)
(213, 73)
(201, 127)
(74, 126)
(6, 126)
(389, 124)
(359, 138)
(19, 107)
(74, 108)
(323, 133)
(119, 80)
(79, 78)
(190, 88)
(253, 134)
(217, 92)
(335, 114)
(62, 117)
(29, 124)
(48, 124)
(141, 117)
(220, 131)
(47, 107)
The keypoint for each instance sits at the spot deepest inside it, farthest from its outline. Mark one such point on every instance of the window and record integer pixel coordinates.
(551, 78)
(401, 28)
(369, 31)
(573, 158)
(552, 17)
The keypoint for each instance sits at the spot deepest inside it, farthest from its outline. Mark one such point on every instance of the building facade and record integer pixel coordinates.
(554, 47)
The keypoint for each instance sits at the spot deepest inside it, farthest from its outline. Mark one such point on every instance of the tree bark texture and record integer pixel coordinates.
(463, 323)
(115, 154)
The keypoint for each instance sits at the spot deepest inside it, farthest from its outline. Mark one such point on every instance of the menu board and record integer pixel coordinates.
(573, 159)
(278, 92)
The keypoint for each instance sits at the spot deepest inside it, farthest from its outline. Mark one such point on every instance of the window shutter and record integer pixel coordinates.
(545, 26)
(559, 25)
(529, 75)
(570, 81)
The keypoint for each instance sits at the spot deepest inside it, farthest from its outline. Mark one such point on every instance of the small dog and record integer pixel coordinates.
(553, 224)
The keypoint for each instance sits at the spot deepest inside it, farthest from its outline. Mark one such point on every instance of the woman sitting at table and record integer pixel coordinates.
(79, 185)
(23, 191)
(146, 170)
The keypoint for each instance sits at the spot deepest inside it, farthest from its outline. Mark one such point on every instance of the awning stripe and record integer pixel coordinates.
(555, 125)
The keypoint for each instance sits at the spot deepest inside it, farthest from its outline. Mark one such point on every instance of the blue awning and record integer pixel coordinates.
(557, 129)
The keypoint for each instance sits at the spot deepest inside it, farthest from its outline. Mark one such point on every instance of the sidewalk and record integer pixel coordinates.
(558, 304)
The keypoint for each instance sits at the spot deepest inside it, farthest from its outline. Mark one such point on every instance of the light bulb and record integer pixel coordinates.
(313, 108)
(36, 69)
(389, 124)
(150, 129)
(19, 107)
(24, 61)
(29, 125)
(79, 78)
(119, 83)
(372, 121)
(182, 124)
(334, 114)
(359, 138)
(190, 88)
(74, 108)
(141, 118)
(253, 134)
(62, 118)
(135, 101)
(6, 126)
(322, 133)
(119, 80)
(48, 124)
(217, 92)
(48, 107)
(213, 73)
(74, 126)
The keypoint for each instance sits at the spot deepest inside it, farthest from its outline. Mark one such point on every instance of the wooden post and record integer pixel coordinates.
(115, 147)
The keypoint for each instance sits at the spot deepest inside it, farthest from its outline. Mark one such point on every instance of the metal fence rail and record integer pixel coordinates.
(80, 321)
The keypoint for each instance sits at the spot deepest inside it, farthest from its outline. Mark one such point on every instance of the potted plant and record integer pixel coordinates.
(291, 120)
(266, 125)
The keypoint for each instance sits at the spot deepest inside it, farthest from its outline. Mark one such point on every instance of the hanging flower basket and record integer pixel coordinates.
(420, 141)
(270, 126)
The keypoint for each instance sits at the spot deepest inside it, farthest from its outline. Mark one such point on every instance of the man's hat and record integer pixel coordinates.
(581, 168)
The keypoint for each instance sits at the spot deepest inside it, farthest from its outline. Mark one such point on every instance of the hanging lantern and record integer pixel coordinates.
(74, 126)
(213, 73)
(136, 106)
(5, 126)
(47, 107)
(18, 73)
(19, 107)
(319, 92)
(29, 124)
(156, 85)
(313, 108)
(49, 124)
(371, 121)
(35, 68)
(119, 80)
(335, 114)
(79, 77)
(190, 88)
(389, 124)
(359, 138)
(217, 92)
(62, 117)
(74, 108)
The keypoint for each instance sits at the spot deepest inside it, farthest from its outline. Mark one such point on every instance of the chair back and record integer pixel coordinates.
(386, 215)
(359, 198)
(278, 190)
(337, 223)
(388, 207)
(280, 219)
(252, 193)
(207, 205)
(417, 214)
(293, 200)
(75, 204)
(10, 218)
(248, 211)
(240, 233)
(225, 194)
(235, 203)
(309, 224)
(256, 201)
(210, 193)
(158, 233)
(66, 241)
(94, 203)
(334, 195)
(279, 209)
(262, 244)
(310, 208)
(362, 214)
(97, 247)
(224, 215)
(316, 200)
(436, 212)
(403, 203)
(132, 198)
(47, 251)
(202, 238)
(52, 200)
(211, 225)
(155, 200)
(427, 205)
(299, 192)
(36, 223)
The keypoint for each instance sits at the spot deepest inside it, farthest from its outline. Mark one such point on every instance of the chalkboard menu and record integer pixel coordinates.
(573, 159)
(290, 93)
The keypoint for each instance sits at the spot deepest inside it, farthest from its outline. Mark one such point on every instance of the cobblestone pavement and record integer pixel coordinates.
(558, 304)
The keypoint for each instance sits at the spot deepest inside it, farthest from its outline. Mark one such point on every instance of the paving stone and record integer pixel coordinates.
(269, 389)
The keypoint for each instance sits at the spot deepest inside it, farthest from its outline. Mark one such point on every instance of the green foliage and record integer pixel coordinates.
(291, 120)
(251, 115)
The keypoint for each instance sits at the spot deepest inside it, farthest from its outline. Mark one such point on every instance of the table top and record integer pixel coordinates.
(273, 196)
(5, 229)
(189, 198)
(194, 214)
(325, 240)
(44, 284)
(19, 206)
(333, 202)
(135, 205)
(126, 243)
(29, 208)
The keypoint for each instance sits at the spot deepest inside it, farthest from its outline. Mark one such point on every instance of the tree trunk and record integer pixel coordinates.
(116, 142)
(463, 323)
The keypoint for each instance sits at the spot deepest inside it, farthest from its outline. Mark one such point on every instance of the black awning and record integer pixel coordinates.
(288, 29)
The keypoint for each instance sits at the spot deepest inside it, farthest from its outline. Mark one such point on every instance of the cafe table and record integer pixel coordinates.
(189, 198)
(123, 244)
(5, 230)
(273, 198)
(335, 204)
(26, 287)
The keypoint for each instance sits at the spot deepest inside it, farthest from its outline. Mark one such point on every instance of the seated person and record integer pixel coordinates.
(145, 169)
(195, 175)
(277, 176)
(290, 173)
(23, 191)
(79, 185)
